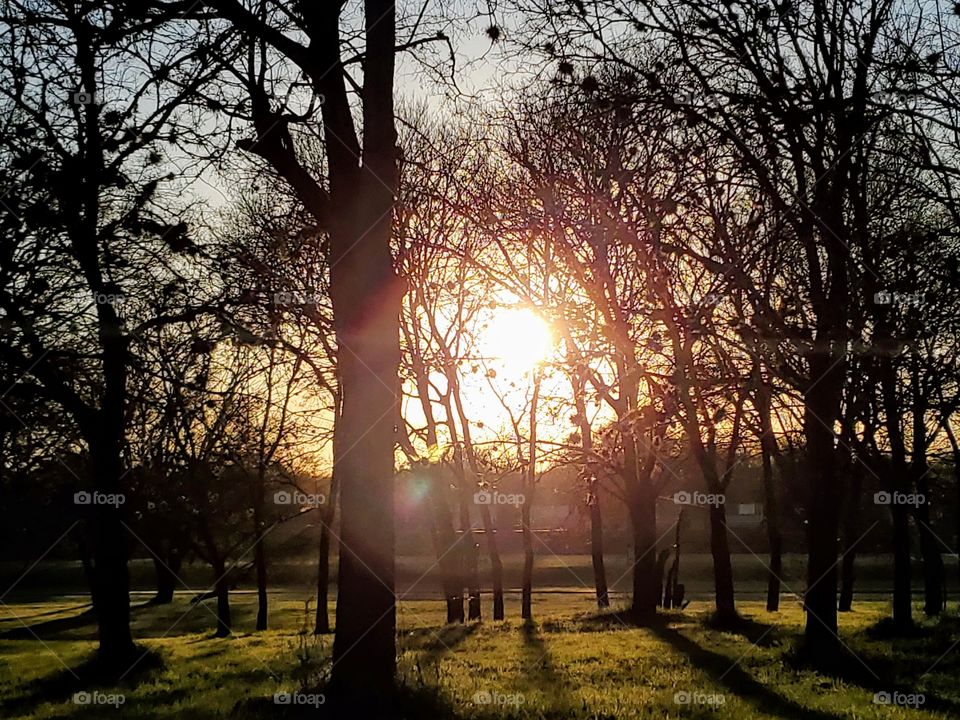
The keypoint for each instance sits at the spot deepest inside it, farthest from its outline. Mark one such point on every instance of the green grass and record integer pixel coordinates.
(570, 663)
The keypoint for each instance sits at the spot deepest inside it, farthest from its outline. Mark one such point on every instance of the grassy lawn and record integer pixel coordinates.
(571, 663)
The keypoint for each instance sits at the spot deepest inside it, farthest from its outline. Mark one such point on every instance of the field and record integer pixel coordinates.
(570, 663)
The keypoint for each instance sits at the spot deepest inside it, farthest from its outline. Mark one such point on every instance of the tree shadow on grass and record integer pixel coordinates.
(735, 679)
(89, 675)
(433, 642)
(753, 631)
(884, 673)
(537, 658)
(48, 629)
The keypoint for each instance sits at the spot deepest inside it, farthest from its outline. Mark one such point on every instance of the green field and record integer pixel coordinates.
(570, 663)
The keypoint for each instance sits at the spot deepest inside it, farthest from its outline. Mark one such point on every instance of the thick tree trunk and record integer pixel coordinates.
(933, 572)
(643, 521)
(366, 297)
(364, 652)
(111, 596)
(821, 410)
(898, 483)
(722, 568)
(902, 592)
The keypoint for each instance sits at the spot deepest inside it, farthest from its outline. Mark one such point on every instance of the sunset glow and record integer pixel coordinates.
(516, 339)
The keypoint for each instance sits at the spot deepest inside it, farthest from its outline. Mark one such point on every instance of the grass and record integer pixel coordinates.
(571, 663)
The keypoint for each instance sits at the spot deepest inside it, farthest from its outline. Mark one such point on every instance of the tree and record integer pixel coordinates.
(353, 203)
(794, 95)
(84, 214)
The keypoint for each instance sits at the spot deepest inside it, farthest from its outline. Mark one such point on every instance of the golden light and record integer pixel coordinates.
(517, 338)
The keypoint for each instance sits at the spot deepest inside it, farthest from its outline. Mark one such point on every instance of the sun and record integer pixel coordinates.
(516, 338)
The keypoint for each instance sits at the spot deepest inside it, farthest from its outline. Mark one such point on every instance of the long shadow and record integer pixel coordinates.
(49, 628)
(434, 643)
(875, 674)
(88, 675)
(753, 631)
(539, 657)
(735, 679)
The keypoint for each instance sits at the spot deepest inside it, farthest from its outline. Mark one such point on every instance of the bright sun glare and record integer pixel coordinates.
(517, 338)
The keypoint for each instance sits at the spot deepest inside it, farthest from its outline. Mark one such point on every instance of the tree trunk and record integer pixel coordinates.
(327, 517)
(771, 499)
(902, 592)
(111, 597)
(469, 568)
(593, 497)
(366, 296)
(445, 541)
(643, 522)
(596, 551)
(851, 533)
(473, 573)
(644, 602)
(821, 409)
(955, 448)
(496, 564)
(222, 589)
(526, 596)
(166, 570)
(722, 568)
(933, 575)
(898, 481)
(260, 560)
(364, 651)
